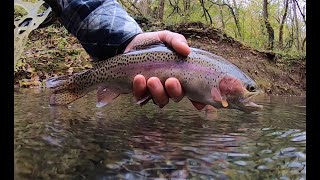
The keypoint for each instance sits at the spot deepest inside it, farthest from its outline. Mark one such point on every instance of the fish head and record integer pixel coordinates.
(239, 93)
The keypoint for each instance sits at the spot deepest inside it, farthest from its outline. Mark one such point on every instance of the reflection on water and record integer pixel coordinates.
(124, 141)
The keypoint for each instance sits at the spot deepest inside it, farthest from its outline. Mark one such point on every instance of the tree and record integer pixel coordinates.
(269, 28)
(282, 23)
(234, 15)
(161, 10)
(186, 6)
(205, 11)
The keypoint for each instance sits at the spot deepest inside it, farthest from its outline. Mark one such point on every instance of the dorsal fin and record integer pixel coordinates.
(146, 44)
(139, 45)
(94, 63)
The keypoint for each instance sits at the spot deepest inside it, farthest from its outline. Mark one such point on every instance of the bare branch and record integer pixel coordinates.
(132, 5)
(205, 11)
(232, 12)
(303, 16)
(175, 6)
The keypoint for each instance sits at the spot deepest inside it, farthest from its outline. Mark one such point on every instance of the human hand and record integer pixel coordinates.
(172, 87)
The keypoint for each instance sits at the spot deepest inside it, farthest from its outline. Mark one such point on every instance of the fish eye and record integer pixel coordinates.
(251, 87)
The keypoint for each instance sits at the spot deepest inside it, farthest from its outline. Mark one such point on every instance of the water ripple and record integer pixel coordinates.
(124, 141)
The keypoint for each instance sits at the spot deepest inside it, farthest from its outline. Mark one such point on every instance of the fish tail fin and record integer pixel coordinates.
(65, 90)
(57, 82)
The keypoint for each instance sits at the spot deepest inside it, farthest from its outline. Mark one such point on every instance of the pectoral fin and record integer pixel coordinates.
(224, 103)
(105, 96)
(216, 95)
(144, 100)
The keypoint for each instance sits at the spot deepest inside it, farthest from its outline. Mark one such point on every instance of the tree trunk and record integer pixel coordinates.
(291, 38)
(269, 28)
(235, 13)
(296, 25)
(303, 44)
(221, 18)
(282, 23)
(205, 12)
(145, 7)
(235, 8)
(186, 5)
(161, 10)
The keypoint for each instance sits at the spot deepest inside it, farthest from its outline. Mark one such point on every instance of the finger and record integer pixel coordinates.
(177, 41)
(198, 105)
(157, 91)
(174, 89)
(139, 86)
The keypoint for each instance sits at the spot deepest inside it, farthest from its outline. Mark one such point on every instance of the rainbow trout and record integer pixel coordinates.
(204, 77)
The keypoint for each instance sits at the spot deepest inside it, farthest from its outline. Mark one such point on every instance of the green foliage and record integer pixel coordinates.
(19, 12)
(252, 27)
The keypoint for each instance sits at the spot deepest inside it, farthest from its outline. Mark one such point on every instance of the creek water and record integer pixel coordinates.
(126, 141)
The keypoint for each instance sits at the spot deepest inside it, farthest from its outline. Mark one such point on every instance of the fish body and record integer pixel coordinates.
(204, 77)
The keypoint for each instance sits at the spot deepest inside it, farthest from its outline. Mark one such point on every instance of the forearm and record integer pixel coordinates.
(101, 26)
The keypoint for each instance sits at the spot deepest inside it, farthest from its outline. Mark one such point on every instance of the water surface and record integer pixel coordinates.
(125, 141)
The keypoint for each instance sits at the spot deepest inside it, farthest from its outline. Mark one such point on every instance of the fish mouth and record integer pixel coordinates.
(247, 103)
